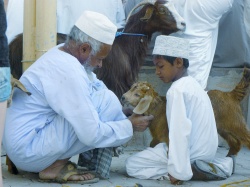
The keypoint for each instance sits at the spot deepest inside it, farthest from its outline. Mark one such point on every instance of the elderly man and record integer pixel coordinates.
(70, 111)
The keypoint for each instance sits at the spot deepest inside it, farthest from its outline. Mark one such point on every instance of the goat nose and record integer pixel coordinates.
(100, 64)
(122, 99)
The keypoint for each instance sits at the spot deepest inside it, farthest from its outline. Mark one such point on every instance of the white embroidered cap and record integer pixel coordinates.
(97, 26)
(171, 46)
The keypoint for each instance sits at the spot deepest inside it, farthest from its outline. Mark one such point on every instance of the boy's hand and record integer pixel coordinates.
(174, 180)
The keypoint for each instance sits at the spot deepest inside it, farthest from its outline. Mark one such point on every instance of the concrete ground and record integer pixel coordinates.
(118, 177)
(224, 79)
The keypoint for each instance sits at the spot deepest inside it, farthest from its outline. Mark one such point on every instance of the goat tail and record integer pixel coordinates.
(246, 141)
(240, 91)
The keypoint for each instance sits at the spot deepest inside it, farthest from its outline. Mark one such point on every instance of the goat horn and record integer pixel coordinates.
(138, 5)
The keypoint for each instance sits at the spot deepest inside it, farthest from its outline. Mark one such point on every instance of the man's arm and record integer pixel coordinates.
(212, 10)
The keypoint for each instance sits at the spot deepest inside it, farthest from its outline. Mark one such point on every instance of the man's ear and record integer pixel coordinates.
(143, 105)
(85, 48)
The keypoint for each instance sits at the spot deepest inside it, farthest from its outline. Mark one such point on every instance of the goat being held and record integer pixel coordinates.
(231, 124)
(121, 67)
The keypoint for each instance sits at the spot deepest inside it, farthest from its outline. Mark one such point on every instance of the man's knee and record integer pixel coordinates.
(107, 105)
(104, 97)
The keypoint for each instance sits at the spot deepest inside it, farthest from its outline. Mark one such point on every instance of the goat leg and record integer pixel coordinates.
(11, 166)
(233, 143)
(154, 142)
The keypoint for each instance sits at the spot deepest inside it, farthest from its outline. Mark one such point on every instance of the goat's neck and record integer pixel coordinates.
(138, 27)
(135, 52)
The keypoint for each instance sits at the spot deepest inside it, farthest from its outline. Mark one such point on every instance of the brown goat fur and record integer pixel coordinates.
(231, 124)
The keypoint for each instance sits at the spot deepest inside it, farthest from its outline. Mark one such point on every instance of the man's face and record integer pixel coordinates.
(95, 61)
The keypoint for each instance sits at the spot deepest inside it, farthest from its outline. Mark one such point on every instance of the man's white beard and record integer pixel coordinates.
(87, 66)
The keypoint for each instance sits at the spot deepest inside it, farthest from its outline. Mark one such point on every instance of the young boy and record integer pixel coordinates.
(193, 138)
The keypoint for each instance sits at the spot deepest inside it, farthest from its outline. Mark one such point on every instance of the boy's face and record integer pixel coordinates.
(166, 71)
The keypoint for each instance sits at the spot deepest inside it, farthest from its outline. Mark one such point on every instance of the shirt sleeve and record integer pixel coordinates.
(212, 10)
(69, 96)
(179, 136)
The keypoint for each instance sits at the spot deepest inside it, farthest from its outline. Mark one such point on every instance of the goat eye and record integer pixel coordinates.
(137, 95)
(162, 10)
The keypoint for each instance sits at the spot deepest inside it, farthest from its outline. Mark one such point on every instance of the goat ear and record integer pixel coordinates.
(148, 14)
(18, 84)
(143, 105)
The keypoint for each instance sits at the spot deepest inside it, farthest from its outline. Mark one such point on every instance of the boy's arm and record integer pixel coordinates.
(180, 126)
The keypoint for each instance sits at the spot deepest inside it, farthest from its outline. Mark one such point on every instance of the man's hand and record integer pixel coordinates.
(174, 180)
(140, 122)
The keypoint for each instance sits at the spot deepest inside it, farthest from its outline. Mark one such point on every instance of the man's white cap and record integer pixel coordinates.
(97, 26)
(171, 46)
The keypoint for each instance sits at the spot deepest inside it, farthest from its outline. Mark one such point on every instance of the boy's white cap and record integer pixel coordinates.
(97, 26)
(171, 46)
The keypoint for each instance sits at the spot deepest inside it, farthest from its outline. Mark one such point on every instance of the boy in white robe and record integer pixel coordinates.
(193, 138)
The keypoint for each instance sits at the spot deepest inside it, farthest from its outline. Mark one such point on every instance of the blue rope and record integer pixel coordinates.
(130, 34)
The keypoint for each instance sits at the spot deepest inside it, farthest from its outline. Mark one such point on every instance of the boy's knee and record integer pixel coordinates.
(129, 166)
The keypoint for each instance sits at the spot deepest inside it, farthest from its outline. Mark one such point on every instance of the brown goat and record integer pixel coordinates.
(231, 124)
(229, 118)
(121, 67)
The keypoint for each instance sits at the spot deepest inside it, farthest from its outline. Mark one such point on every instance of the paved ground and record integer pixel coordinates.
(118, 177)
